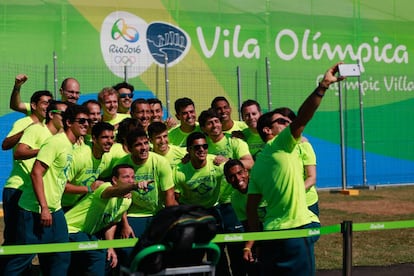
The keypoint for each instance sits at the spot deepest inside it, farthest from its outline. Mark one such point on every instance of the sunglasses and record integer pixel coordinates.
(83, 121)
(126, 95)
(55, 111)
(197, 147)
(280, 121)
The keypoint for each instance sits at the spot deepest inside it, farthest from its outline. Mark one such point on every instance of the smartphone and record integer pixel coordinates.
(349, 70)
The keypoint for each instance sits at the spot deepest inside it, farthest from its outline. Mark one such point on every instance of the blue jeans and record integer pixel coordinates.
(31, 232)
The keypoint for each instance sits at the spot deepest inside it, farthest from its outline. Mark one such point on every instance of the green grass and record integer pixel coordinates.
(370, 248)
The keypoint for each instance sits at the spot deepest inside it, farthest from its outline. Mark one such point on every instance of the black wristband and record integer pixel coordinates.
(317, 93)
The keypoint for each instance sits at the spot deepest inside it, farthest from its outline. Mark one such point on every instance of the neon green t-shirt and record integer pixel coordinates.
(20, 125)
(157, 169)
(84, 170)
(254, 141)
(278, 176)
(17, 175)
(175, 154)
(239, 203)
(308, 157)
(118, 118)
(229, 147)
(178, 137)
(116, 153)
(93, 213)
(33, 136)
(237, 126)
(198, 186)
(56, 153)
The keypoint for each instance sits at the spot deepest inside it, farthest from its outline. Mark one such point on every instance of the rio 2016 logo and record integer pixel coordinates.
(128, 41)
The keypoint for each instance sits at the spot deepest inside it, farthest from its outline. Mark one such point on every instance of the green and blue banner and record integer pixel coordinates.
(270, 50)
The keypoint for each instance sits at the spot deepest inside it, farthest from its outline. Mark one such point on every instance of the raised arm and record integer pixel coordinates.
(312, 102)
(16, 103)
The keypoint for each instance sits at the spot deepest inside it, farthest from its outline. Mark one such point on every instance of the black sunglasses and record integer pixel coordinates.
(83, 120)
(280, 121)
(197, 147)
(126, 95)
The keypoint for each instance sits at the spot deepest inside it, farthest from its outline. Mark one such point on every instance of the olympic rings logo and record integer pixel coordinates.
(121, 29)
(125, 60)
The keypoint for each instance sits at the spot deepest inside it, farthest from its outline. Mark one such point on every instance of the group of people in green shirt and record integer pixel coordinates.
(88, 172)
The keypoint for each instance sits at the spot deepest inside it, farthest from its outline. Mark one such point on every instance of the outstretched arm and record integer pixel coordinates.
(312, 102)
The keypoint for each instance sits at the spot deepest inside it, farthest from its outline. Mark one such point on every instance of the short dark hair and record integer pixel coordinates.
(71, 112)
(218, 99)
(115, 170)
(156, 128)
(52, 106)
(265, 120)
(124, 127)
(230, 164)
(194, 136)
(133, 135)
(35, 98)
(250, 102)
(124, 84)
(207, 114)
(154, 101)
(100, 127)
(286, 112)
(137, 101)
(91, 101)
(182, 103)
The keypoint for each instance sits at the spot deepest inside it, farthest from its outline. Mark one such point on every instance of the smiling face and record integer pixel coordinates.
(104, 141)
(223, 109)
(187, 116)
(213, 128)
(56, 117)
(156, 112)
(160, 142)
(125, 100)
(251, 115)
(126, 177)
(80, 125)
(198, 151)
(238, 177)
(94, 113)
(142, 113)
(140, 150)
(110, 105)
(70, 91)
(39, 108)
